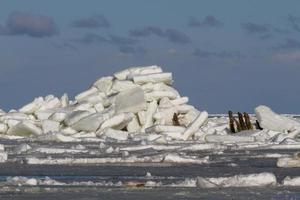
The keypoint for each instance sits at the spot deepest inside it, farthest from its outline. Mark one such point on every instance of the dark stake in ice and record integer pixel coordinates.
(238, 125)
(175, 120)
(258, 126)
(247, 121)
(241, 120)
(231, 122)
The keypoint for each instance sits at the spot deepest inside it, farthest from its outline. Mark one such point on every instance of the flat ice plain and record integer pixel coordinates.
(131, 134)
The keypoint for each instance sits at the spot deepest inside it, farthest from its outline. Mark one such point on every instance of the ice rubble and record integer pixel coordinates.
(134, 101)
(138, 103)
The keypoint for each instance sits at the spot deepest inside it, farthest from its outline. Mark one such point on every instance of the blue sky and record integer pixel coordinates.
(224, 55)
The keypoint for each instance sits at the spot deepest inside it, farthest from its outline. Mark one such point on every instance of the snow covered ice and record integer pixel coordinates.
(135, 112)
(138, 103)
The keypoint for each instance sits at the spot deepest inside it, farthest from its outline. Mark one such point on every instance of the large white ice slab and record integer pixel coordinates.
(118, 121)
(75, 116)
(132, 100)
(104, 84)
(50, 126)
(86, 93)
(24, 128)
(33, 106)
(195, 125)
(288, 181)
(153, 78)
(128, 73)
(273, 121)
(116, 134)
(90, 123)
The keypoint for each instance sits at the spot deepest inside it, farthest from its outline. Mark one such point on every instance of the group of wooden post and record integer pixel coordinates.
(242, 123)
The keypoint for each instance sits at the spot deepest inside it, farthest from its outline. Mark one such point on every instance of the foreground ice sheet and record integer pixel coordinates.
(249, 180)
(168, 158)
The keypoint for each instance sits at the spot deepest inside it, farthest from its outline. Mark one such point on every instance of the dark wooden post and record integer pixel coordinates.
(247, 121)
(175, 120)
(241, 120)
(231, 122)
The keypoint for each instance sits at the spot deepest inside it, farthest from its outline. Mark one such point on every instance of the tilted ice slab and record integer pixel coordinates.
(273, 121)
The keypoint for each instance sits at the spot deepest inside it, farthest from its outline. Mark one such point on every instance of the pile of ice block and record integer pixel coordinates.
(135, 100)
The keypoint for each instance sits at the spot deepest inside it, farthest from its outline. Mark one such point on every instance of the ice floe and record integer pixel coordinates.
(288, 181)
(288, 162)
(248, 180)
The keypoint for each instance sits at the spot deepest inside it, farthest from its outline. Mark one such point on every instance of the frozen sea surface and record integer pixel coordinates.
(100, 193)
(129, 180)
